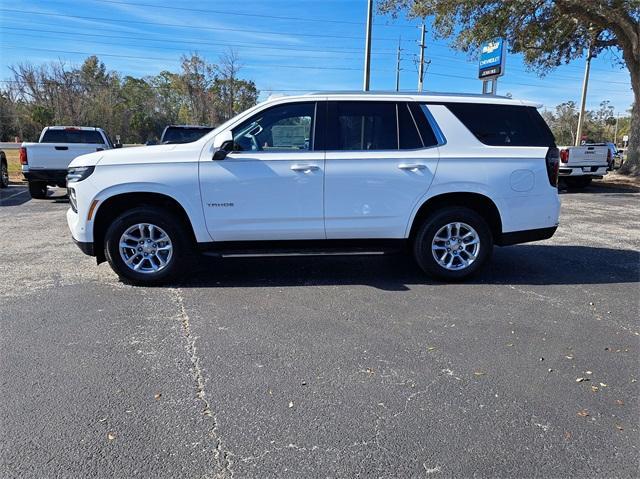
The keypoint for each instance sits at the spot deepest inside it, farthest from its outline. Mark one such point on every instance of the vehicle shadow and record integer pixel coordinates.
(14, 195)
(599, 188)
(516, 265)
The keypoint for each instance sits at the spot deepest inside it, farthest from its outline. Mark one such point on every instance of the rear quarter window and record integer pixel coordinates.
(504, 125)
(91, 137)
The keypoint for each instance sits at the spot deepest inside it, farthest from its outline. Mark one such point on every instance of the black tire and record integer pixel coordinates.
(4, 173)
(38, 190)
(173, 227)
(432, 224)
(578, 181)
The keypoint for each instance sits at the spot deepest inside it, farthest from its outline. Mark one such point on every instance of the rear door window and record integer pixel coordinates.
(90, 137)
(504, 125)
(362, 126)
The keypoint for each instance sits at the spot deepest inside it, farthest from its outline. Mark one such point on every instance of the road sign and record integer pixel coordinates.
(492, 59)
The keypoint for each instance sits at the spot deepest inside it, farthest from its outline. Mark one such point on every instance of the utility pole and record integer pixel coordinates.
(367, 48)
(398, 66)
(585, 84)
(421, 64)
(615, 131)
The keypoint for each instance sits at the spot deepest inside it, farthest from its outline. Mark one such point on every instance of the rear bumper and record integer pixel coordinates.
(52, 177)
(525, 236)
(580, 170)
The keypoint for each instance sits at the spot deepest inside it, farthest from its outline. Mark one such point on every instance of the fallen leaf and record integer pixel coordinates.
(591, 303)
(550, 370)
(103, 419)
(479, 373)
(510, 344)
(304, 383)
(567, 435)
(111, 436)
(541, 359)
(569, 357)
(580, 380)
(619, 427)
(634, 380)
(583, 413)
(595, 389)
(158, 395)
(431, 348)
(588, 372)
(619, 402)
(290, 404)
(603, 385)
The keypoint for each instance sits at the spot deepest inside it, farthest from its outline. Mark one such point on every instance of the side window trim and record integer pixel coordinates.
(440, 138)
(398, 128)
(312, 143)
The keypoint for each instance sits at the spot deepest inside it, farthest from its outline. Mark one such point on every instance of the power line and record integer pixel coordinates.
(242, 14)
(249, 46)
(177, 25)
(162, 47)
(303, 67)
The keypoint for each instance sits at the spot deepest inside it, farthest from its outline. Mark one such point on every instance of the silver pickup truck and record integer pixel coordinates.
(581, 164)
(45, 163)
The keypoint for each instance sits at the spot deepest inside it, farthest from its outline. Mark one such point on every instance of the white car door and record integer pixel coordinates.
(270, 187)
(381, 159)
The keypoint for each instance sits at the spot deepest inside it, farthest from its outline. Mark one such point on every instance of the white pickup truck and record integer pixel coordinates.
(581, 164)
(45, 163)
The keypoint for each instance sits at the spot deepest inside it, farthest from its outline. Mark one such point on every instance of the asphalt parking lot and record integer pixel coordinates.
(323, 367)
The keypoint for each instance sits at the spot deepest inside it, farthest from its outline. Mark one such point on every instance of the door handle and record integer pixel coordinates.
(411, 166)
(305, 168)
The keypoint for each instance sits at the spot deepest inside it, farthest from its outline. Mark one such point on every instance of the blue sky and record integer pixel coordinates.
(284, 45)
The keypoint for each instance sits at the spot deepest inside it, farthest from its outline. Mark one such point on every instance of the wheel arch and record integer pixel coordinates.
(113, 206)
(478, 202)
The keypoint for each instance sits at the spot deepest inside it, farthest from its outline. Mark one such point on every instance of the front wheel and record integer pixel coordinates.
(146, 245)
(453, 243)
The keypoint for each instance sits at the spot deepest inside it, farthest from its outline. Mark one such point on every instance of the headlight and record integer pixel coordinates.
(79, 173)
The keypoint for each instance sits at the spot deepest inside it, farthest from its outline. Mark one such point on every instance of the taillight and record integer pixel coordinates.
(23, 156)
(564, 155)
(553, 164)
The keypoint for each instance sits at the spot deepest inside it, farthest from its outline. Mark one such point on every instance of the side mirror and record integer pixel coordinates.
(118, 145)
(222, 152)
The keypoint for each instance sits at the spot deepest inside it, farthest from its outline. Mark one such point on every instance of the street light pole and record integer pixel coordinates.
(367, 48)
(583, 101)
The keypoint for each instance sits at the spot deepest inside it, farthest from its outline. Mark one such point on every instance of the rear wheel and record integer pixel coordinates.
(146, 245)
(38, 189)
(578, 181)
(453, 243)
(4, 174)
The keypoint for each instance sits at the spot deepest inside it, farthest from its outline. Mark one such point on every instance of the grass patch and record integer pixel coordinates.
(13, 161)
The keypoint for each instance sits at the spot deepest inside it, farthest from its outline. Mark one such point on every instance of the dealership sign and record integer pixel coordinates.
(492, 59)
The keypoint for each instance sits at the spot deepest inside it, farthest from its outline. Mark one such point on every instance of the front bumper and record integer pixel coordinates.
(86, 248)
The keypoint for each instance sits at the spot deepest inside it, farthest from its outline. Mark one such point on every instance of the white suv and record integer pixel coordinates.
(447, 175)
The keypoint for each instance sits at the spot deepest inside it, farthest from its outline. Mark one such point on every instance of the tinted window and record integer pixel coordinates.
(73, 136)
(359, 125)
(420, 113)
(409, 137)
(183, 135)
(280, 128)
(504, 125)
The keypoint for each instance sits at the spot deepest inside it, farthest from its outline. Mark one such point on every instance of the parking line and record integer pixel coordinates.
(14, 195)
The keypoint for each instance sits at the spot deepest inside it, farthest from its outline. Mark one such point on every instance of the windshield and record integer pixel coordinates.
(184, 135)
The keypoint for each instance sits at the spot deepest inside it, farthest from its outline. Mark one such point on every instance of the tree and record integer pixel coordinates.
(547, 32)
